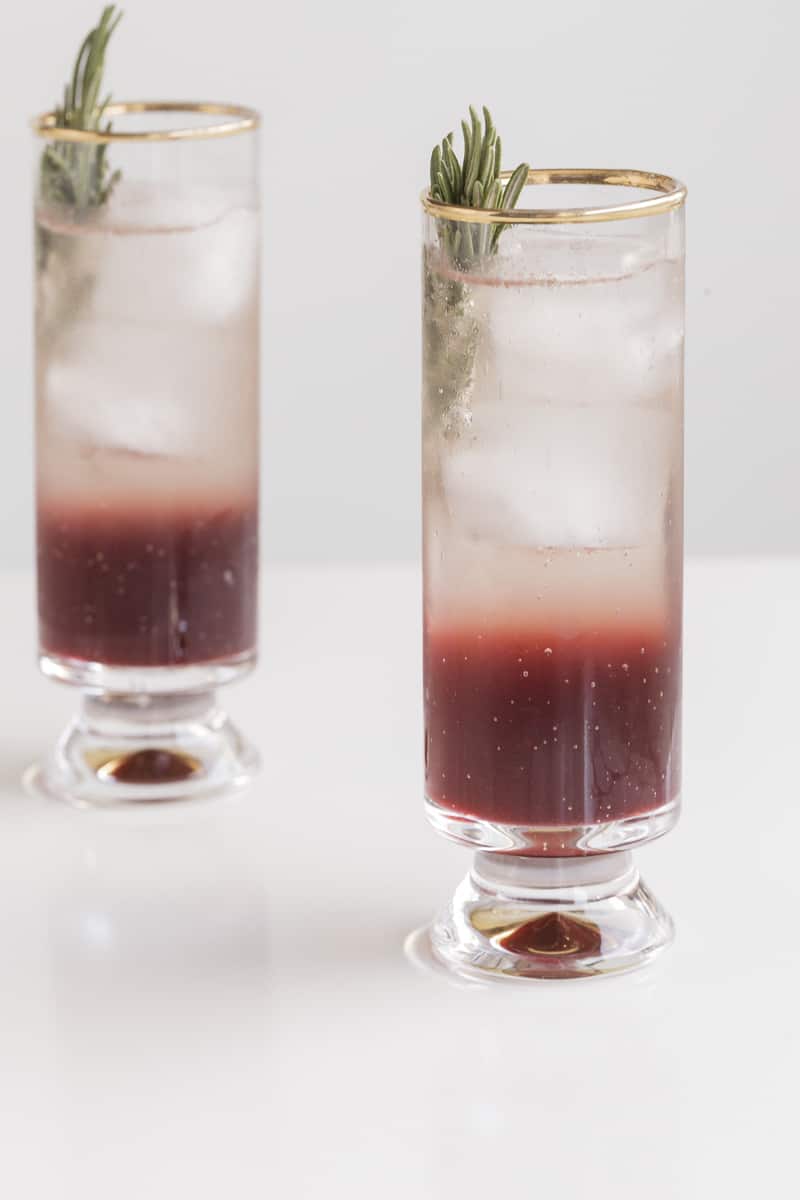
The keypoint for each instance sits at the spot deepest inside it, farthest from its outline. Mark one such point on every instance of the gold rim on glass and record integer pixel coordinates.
(240, 120)
(671, 194)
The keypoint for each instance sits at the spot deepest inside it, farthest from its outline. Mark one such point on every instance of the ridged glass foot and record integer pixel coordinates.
(555, 918)
(122, 749)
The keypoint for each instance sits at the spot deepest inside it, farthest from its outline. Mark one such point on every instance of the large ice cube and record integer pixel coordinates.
(578, 475)
(568, 435)
(110, 390)
(569, 340)
(185, 255)
(146, 329)
(206, 274)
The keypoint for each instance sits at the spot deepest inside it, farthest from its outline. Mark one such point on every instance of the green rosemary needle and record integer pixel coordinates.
(74, 173)
(473, 183)
(452, 330)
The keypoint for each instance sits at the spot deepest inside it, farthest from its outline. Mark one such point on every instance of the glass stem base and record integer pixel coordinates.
(550, 918)
(129, 749)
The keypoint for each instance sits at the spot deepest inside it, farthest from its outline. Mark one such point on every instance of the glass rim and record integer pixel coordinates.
(671, 195)
(240, 120)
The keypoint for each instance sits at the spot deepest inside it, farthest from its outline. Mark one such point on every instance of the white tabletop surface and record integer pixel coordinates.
(218, 1004)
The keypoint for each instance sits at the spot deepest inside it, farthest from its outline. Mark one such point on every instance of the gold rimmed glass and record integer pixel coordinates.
(205, 119)
(669, 194)
(552, 485)
(147, 401)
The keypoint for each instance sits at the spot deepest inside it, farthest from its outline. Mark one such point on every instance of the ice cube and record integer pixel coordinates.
(108, 390)
(570, 437)
(144, 328)
(565, 338)
(190, 254)
(554, 475)
(206, 274)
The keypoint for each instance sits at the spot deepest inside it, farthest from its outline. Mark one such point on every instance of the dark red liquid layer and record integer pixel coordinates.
(528, 730)
(554, 935)
(151, 591)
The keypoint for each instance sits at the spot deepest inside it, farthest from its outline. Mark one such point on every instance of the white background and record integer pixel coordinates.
(354, 94)
(213, 1004)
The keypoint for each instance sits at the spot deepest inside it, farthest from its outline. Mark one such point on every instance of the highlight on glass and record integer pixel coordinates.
(147, 412)
(553, 489)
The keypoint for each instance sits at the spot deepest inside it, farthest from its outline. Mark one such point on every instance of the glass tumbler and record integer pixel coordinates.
(553, 492)
(147, 413)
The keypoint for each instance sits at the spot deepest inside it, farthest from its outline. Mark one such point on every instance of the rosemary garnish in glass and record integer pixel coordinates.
(74, 179)
(74, 173)
(474, 183)
(451, 329)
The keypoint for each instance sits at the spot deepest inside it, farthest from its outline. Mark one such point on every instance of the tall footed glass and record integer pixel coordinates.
(552, 476)
(147, 377)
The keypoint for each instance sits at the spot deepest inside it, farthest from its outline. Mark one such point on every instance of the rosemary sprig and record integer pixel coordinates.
(453, 328)
(74, 173)
(473, 183)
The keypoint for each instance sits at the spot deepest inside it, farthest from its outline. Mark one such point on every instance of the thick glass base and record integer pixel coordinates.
(133, 749)
(554, 841)
(129, 681)
(550, 918)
